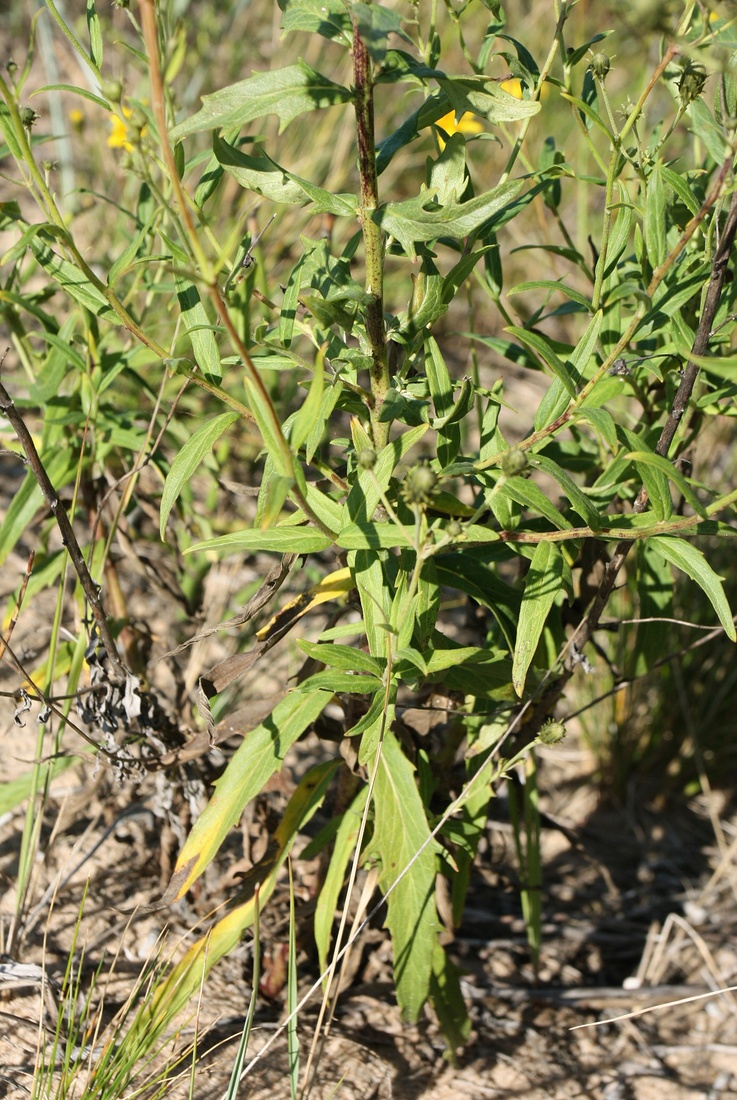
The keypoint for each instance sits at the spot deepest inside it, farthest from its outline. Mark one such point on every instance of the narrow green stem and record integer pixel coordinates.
(372, 238)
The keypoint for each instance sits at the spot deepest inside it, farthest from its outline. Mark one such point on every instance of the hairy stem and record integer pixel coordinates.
(372, 238)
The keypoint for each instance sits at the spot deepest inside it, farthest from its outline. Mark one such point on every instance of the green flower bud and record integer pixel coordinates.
(514, 462)
(691, 84)
(367, 458)
(112, 90)
(600, 65)
(11, 67)
(552, 733)
(419, 485)
(28, 116)
(454, 529)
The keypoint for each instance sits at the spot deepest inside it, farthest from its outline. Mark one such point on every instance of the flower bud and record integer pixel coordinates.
(367, 458)
(600, 65)
(419, 485)
(551, 733)
(28, 116)
(112, 90)
(691, 84)
(514, 462)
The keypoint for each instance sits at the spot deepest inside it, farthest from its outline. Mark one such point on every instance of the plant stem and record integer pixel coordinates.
(372, 238)
(69, 539)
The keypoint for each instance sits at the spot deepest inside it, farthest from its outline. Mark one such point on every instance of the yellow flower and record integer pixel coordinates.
(77, 119)
(121, 134)
(466, 124)
(118, 138)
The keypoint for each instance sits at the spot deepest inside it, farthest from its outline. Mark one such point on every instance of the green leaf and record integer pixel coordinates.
(310, 409)
(268, 425)
(328, 18)
(542, 584)
(351, 683)
(603, 422)
(287, 93)
(423, 219)
(551, 285)
(483, 96)
(579, 501)
(188, 461)
(691, 561)
(465, 573)
(446, 997)
(373, 536)
(73, 281)
(95, 33)
(72, 89)
(441, 391)
(620, 232)
(258, 172)
(375, 595)
(681, 188)
(342, 656)
(547, 353)
(654, 224)
(707, 130)
(283, 540)
(400, 831)
(375, 23)
(59, 462)
(199, 329)
(370, 484)
(327, 902)
(260, 755)
(584, 349)
(668, 470)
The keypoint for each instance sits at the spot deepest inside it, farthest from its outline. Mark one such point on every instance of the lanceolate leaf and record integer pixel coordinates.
(169, 997)
(400, 830)
(691, 561)
(287, 93)
(301, 540)
(73, 281)
(199, 329)
(545, 350)
(542, 583)
(327, 903)
(658, 462)
(259, 756)
(189, 460)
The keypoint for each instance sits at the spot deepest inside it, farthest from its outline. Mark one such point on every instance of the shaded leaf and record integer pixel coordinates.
(690, 560)
(543, 582)
(400, 830)
(287, 93)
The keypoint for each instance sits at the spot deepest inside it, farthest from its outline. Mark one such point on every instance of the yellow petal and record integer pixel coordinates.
(513, 86)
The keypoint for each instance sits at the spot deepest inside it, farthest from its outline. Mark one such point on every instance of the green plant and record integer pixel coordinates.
(377, 458)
